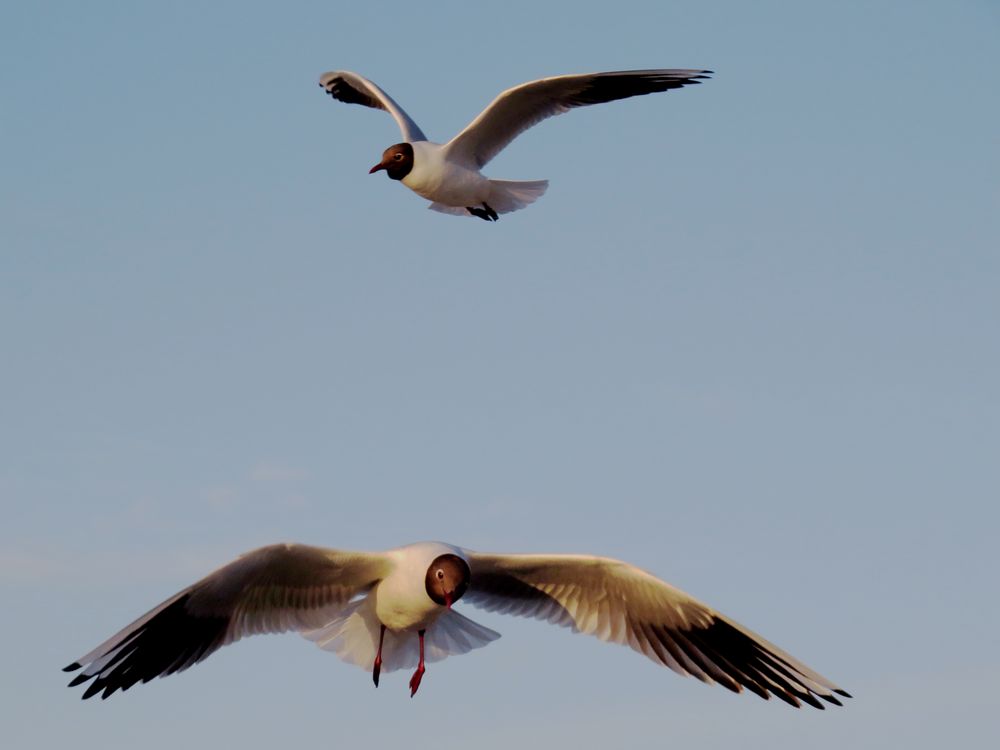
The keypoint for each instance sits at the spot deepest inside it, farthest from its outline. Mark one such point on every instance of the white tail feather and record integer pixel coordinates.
(445, 209)
(353, 637)
(507, 195)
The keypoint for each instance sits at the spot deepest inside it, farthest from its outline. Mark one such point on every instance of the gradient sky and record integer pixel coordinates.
(748, 341)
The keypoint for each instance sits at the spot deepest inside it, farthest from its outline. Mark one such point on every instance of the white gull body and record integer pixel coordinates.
(449, 174)
(392, 610)
(445, 182)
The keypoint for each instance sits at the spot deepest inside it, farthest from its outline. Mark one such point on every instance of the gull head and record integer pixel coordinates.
(447, 579)
(397, 161)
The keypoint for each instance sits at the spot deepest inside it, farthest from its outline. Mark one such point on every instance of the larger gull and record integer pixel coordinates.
(393, 610)
(449, 174)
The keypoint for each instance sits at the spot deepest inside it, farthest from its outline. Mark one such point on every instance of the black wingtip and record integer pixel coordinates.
(79, 680)
(94, 689)
(844, 693)
(813, 701)
(788, 698)
(72, 667)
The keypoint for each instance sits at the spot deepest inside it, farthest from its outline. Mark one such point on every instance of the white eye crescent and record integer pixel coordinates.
(440, 574)
(398, 157)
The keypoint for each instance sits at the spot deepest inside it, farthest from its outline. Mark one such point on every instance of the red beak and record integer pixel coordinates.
(447, 599)
(377, 167)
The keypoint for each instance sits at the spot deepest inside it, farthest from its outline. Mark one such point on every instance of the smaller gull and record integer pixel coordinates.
(392, 610)
(449, 174)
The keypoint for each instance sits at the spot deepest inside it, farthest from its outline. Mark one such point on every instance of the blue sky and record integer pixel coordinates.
(747, 340)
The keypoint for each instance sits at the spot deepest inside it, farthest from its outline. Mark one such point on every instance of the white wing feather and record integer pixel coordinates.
(355, 89)
(519, 108)
(269, 590)
(618, 602)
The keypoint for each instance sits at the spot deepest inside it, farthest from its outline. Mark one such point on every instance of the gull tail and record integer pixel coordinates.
(507, 195)
(353, 636)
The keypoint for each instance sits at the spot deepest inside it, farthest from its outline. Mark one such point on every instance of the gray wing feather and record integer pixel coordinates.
(618, 602)
(269, 590)
(352, 88)
(519, 108)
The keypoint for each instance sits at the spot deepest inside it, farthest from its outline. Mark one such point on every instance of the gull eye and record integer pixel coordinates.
(440, 574)
(398, 157)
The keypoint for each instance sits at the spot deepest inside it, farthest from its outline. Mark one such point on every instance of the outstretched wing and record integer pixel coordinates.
(521, 107)
(354, 89)
(620, 603)
(269, 590)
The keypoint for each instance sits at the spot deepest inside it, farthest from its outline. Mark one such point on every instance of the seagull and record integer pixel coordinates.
(449, 174)
(392, 610)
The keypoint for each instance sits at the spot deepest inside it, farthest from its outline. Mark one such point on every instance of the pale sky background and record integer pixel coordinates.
(748, 341)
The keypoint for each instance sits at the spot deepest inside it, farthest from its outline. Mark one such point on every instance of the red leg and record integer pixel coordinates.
(415, 680)
(378, 657)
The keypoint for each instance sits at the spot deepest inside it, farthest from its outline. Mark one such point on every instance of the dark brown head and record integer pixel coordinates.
(397, 161)
(447, 579)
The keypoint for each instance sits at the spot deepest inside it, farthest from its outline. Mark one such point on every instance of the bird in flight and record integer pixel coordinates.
(449, 174)
(392, 610)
